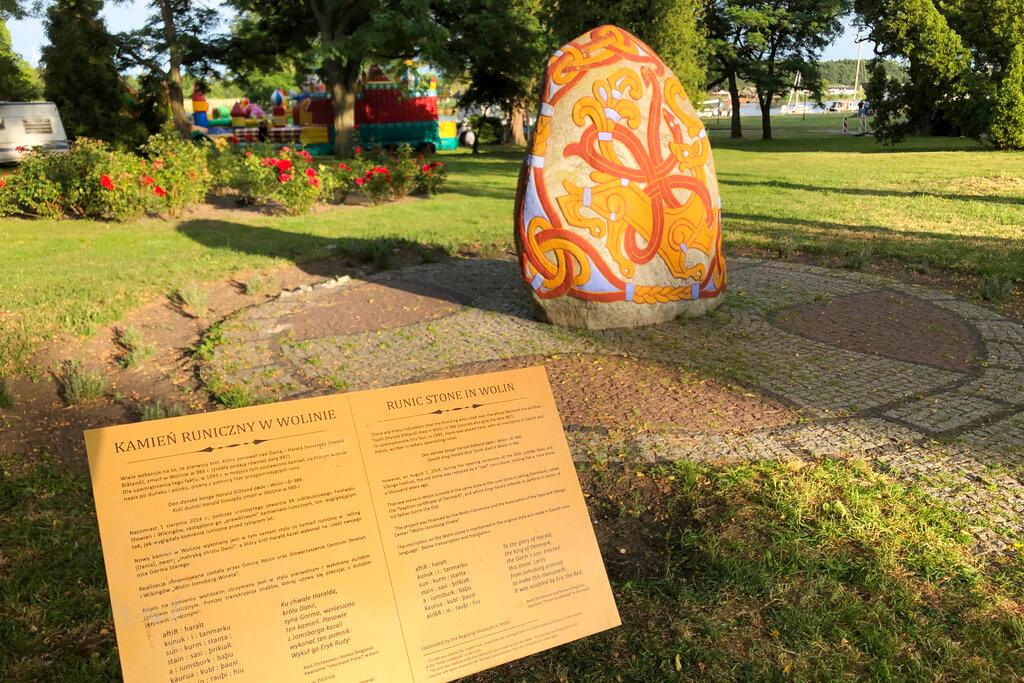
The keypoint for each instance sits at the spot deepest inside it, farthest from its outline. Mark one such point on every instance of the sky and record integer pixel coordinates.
(29, 37)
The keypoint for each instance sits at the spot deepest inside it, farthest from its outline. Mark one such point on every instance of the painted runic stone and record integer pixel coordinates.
(618, 215)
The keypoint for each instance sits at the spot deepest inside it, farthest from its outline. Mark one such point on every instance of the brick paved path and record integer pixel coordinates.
(926, 386)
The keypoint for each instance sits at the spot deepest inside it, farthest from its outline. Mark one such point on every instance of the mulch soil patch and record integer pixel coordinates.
(619, 392)
(886, 324)
(372, 306)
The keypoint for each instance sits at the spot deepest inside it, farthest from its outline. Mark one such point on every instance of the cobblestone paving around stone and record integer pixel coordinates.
(959, 436)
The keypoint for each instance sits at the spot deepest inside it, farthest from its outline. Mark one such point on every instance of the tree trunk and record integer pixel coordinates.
(182, 121)
(734, 96)
(517, 126)
(341, 82)
(766, 116)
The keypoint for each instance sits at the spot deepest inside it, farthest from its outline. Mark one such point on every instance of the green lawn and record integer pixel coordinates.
(936, 203)
(753, 572)
(764, 571)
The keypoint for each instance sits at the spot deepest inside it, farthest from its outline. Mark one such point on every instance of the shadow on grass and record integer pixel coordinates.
(795, 140)
(972, 254)
(869, 192)
(323, 256)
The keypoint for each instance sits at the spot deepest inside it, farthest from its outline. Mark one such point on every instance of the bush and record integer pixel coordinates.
(1007, 128)
(287, 178)
(97, 182)
(179, 175)
(31, 189)
(78, 385)
(430, 178)
(337, 182)
(995, 287)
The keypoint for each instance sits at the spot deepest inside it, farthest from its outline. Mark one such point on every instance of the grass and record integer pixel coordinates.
(77, 384)
(134, 349)
(157, 410)
(763, 572)
(759, 572)
(192, 299)
(929, 203)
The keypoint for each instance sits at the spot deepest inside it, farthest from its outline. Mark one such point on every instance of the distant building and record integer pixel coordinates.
(842, 90)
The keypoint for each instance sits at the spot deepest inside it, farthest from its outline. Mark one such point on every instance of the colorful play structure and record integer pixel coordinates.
(388, 113)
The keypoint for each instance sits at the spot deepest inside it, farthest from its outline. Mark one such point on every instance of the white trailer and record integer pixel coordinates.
(26, 125)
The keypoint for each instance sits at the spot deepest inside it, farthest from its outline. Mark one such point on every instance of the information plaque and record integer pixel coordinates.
(414, 533)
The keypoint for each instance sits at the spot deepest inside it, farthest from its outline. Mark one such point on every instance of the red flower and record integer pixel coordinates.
(425, 168)
(106, 182)
(248, 153)
(159, 191)
(233, 139)
(2, 183)
(359, 150)
(285, 149)
(283, 165)
(305, 155)
(314, 181)
(269, 161)
(359, 181)
(158, 164)
(344, 167)
(147, 180)
(311, 172)
(284, 177)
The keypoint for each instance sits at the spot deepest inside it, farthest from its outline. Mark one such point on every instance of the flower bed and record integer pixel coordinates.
(170, 175)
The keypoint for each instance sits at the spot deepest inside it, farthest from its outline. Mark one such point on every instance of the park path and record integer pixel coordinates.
(926, 386)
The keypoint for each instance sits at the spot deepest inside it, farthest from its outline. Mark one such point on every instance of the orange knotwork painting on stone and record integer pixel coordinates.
(618, 215)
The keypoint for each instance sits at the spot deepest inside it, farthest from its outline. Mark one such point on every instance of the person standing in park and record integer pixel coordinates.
(862, 113)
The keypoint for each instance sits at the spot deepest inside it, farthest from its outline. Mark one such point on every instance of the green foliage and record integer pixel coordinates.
(159, 410)
(32, 190)
(213, 338)
(93, 181)
(79, 385)
(489, 129)
(18, 80)
(995, 287)
(767, 43)
(431, 177)
(81, 77)
(501, 46)
(960, 62)
(97, 182)
(191, 298)
(844, 71)
(284, 178)
(669, 26)
(1007, 128)
(134, 349)
(178, 168)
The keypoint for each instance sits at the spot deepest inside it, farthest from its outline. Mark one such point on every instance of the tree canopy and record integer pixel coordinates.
(18, 80)
(961, 64)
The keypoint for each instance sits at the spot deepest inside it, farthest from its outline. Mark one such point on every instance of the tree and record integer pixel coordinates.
(177, 37)
(505, 68)
(1007, 128)
(91, 100)
(778, 39)
(670, 27)
(728, 50)
(18, 81)
(937, 62)
(961, 58)
(346, 35)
